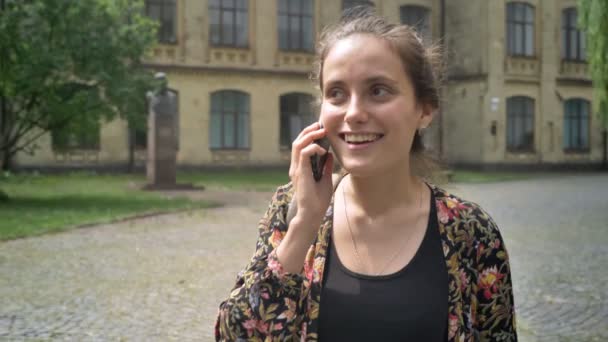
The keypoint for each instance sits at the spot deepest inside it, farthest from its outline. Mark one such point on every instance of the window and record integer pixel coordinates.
(419, 18)
(229, 120)
(85, 136)
(296, 113)
(295, 25)
(520, 123)
(520, 29)
(163, 11)
(573, 39)
(140, 137)
(346, 4)
(229, 22)
(576, 124)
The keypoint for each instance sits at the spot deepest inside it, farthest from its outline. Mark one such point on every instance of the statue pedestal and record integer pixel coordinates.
(162, 156)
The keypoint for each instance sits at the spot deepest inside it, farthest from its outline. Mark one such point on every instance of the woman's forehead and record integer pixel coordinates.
(362, 57)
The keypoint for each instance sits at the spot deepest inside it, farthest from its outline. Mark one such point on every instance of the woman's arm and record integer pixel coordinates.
(495, 314)
(266, 301)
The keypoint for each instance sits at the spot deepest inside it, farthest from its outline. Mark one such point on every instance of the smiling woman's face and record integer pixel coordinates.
(368, 107)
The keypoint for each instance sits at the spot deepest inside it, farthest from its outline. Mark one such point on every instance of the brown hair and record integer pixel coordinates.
(421, 63)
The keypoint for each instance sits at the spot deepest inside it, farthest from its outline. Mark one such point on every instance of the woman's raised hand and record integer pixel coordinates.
(312, 197)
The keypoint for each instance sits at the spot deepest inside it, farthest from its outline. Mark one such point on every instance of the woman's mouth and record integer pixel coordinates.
(359, 140)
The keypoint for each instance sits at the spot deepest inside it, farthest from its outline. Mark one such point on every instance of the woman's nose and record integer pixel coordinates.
(355, 112)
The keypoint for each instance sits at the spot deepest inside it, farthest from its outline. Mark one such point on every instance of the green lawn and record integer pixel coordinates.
(41, 204)
(50, 203)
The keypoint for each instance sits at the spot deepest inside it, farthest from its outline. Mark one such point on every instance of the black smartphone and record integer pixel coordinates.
(317, 162)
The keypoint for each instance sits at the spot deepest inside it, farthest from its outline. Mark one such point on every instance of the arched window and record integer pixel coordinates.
(229, 128)
(346, 4)
(576, 124)
(520, 29)
(296, 113)
(418, 17)
(573, 39)
(296, 29)
(520, 123)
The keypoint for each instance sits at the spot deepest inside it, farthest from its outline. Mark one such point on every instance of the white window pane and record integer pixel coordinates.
(229, 138)
(566, 137)
(294, 32)
(283, 6)
(308, 34)
(243, 130)
(529, 14)
(583, 45)
(294, 6)
(153, 11)
(295, 126)
(242, 28)
(243, 103)
(227, 28)
(519, 12)
(283, 32)
(307, 7)
(519, 34)
(529, 41)
(585, 132)
(215, 134)
(564, 43)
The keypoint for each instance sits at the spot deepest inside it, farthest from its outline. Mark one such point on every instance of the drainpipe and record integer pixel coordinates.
(444, 41)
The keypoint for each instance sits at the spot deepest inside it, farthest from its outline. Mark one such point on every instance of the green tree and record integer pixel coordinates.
(66, 64)
(593, 19)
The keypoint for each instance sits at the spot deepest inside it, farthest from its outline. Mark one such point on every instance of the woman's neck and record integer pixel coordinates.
(378, 194)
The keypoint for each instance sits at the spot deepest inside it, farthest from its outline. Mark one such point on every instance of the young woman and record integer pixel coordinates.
(385, 256)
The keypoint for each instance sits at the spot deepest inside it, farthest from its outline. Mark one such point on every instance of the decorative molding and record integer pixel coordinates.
(76, 156)
(230, 157)
(224, 69)
(526, 67)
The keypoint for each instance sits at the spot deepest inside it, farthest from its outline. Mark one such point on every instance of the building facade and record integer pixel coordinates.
(517, 89)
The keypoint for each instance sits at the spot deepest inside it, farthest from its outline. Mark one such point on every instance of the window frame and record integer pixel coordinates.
(580, 116)
(520, 110)
(163, 8)
(569, 27)
(235, 10)
(424, 34)
(78, 137)
(346, 4)
(301, 15)
(511, 34)
(307, 99)
(223, 113)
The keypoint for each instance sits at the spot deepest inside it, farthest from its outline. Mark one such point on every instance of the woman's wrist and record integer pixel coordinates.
(292, 250)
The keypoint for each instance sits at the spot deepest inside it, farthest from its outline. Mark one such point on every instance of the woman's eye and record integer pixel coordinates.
(379, 91)
(335, 94)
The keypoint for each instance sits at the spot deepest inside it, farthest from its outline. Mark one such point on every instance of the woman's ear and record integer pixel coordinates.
(426, 116)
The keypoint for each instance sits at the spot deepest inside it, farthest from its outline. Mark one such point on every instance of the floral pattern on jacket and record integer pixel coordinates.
(268, 304)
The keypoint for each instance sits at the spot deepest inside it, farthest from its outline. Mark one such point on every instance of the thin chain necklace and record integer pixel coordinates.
(352, 237)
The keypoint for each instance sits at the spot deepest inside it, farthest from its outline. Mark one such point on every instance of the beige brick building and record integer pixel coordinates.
(517, 91)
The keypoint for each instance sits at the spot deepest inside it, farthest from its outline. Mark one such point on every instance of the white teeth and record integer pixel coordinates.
(361, 137)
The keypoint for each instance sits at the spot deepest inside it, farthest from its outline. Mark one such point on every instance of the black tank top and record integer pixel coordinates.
(409, 305)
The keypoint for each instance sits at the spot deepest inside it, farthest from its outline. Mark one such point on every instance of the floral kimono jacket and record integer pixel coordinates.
(268, 304)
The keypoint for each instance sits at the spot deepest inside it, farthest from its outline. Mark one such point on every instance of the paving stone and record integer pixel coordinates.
(162, 278)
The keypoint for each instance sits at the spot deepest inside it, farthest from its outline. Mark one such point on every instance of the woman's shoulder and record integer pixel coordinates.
(456, 212)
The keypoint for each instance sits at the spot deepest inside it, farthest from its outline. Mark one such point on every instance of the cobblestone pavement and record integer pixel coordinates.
(161, 278)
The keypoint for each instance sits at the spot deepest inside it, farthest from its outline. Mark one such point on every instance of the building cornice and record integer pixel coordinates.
(223, 69)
